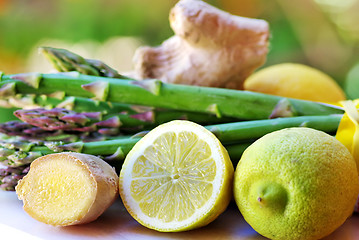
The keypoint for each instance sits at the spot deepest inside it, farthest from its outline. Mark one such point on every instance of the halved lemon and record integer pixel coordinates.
(178, 177)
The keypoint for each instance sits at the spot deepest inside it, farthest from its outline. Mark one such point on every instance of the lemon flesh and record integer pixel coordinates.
(178, 177)
(296, 183)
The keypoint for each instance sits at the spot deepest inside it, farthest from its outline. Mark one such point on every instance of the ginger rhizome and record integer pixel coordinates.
(64, 189)
(210, 47)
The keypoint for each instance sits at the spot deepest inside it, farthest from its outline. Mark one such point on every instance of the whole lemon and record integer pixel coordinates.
(295, 81)
(296, 183)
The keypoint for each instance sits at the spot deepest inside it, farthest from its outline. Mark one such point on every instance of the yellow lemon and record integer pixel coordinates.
(178, 177)
(296, 183)
(295, 81)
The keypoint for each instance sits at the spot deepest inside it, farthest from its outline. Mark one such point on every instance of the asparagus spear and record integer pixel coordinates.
(131, 116)
(236, 137)
(66, 61)
(11, 99)
(29, 132)
(63, 119)
(18, 153)
(220, 102)
(247, 130)
(9, 176)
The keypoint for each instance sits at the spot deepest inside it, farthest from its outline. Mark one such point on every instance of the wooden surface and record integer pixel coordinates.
(116, 223)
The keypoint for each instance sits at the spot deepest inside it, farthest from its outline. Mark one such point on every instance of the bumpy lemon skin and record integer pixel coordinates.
(315, 176)
(295, 81)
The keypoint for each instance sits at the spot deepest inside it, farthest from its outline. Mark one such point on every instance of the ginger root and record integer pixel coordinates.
(64, 189)
(210, 48)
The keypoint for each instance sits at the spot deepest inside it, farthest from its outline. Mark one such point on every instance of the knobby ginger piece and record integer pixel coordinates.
(64, 189)
(210, 48)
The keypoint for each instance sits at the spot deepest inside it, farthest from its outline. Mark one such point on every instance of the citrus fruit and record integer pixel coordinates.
(177, 177)
(296, 183)
(295, 81)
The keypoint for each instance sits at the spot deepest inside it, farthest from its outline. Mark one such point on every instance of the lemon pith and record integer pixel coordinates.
(173, 180)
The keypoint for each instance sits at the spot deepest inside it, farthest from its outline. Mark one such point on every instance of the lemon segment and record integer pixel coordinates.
(178, 177)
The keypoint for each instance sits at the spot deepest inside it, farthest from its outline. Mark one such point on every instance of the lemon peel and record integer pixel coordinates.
(348, 129)
(296, 183)
(295, 80)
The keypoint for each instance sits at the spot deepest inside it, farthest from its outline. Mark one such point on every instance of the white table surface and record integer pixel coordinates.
(116, 223)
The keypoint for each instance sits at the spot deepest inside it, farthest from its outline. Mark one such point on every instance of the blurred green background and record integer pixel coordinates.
(321, 33)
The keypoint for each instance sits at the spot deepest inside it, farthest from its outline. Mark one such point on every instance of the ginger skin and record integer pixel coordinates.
(210, 48)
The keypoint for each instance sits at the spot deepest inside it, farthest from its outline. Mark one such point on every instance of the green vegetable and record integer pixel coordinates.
(220, 102)
(235, 137)
(66, 61)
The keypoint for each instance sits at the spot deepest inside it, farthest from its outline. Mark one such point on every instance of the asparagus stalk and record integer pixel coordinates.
(66, 61)
(63, 119)
(18, 153)
(67, 120)
(236, 137)
(131, 116)
(58, 99)
(9, 176)
(220, 102)
(246, 130)
(27, 131)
